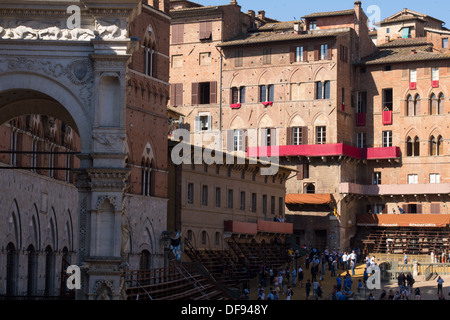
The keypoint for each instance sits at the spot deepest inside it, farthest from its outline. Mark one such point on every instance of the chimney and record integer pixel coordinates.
(261, 14)
(357, 5)
(234, 2)
(251, 13)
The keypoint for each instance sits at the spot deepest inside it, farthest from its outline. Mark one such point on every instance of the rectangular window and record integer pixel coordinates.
(205, 32)
(190, 193)
(299, 51)
(387, 139)
(218, 197)
(319, 90)
(406, 33)
(313, 25)
(280, 206)
(238, 58)
(264, 204)
(238, 140)
(413, 75)
(237, 95)
(266, 93)
(361, 140)
(445, 43)
(204, 195)
(413, 178)
(177, 33)
(435, 178)
(230, 199)
(321, 135)
(267, 56)
(176, 94)
(268, 137)
(272, 205)
(434, 74)
(204, 93)
(324, 52)
(327, 90)
(253, 202)
(297, 136)
(203, 123)
(376, 178)
(242, 200)
(388, 99)
(361, 102)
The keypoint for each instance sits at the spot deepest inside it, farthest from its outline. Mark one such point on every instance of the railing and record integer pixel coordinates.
(426, 270)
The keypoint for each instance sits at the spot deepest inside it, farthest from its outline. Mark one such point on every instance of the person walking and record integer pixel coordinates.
(308, 288)
(440, 281)
(300, 277)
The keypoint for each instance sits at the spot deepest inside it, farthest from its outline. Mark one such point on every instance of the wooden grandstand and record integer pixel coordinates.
(410, 240)
(240, 263)
(177, 282)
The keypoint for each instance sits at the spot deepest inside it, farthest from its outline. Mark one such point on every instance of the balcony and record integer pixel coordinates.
(325, 150)
(240, 227)
(394, 189)
(261, 226)
(275, 227)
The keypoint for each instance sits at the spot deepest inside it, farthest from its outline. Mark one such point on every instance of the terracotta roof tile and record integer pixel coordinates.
(265, 37)
(330, 13)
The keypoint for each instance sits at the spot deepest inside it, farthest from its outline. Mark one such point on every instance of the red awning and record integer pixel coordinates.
(403, 220)
(308, 199)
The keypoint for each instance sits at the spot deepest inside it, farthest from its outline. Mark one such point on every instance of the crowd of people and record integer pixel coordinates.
(275, 284)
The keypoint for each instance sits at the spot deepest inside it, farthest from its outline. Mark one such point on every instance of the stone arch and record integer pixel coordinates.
(320, 74)
(51, 231)
(14, 226)
(34, 232)
(265, 121)
(296, 121)
(236, 123)
(321, 119)
(67, 238)
(45, 95)
(146, 237)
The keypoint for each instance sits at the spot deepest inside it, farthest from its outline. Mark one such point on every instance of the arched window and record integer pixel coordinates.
(433, 104)
(409, 147)
(204, 237)
(49, 271)
(441, 107)
(409, 106)
(440, 146)
(416, 147)
(145, 260)
(217, 239)
(433, 145)
(12, 264)
(32, 271)
(146, 177)
(417, 105)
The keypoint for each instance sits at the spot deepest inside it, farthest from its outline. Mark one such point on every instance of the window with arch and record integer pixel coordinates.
(204, 238)
(144, 260)
(440, 107)
(217, 239)
(12, 265)
(32, 271)
(49, 271)
(412, 147)
(413, 105)
(150, 54)
(434, 104)
(436, 146)
(147, 175)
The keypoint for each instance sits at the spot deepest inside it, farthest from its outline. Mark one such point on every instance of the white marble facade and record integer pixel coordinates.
(76, 74)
